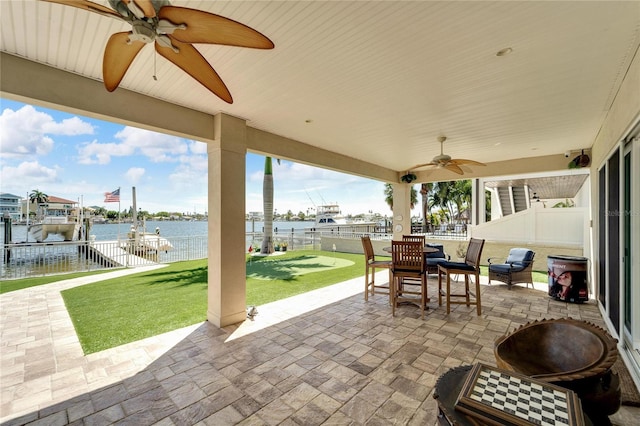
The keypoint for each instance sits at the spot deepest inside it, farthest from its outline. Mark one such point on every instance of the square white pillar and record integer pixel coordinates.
(401, 210)
(227, 268)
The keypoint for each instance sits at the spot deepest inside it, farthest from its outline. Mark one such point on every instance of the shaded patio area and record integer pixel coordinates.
(325, 357)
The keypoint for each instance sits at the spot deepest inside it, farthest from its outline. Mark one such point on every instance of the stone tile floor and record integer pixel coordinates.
(326, 357)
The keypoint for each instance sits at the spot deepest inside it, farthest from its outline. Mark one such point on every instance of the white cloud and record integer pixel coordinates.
(25, 131)
(69, 127)
(157, 147)
(101, 153)
(26, 175)
(134, 174)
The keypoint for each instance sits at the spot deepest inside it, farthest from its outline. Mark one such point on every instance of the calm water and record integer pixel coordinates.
(189, 240)
(168, 229)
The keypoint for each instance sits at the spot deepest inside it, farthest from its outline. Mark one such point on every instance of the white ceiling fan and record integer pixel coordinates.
(445, 161)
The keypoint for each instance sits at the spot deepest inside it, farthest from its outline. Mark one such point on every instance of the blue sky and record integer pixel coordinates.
(77, 157)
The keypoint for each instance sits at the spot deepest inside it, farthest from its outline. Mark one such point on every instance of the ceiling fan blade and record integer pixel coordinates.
(145, 6)
(118, 56)
(454, 168)
(419, 166)
(88, 5)
(193, 63)
(469, 162)
(205, 27)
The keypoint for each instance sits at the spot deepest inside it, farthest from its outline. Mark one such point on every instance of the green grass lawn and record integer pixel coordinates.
(121, 310)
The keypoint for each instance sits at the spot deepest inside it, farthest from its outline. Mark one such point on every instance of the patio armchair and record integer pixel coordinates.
(516, 269)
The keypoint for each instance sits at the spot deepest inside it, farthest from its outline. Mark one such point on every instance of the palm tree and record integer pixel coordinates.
(267, 203)
(388, 195)
(425, 189)
(38, 197)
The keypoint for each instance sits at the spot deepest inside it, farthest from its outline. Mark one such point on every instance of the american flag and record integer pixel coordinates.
(112, 197)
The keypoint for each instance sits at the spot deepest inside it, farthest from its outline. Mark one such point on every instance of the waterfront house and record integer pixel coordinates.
(10, 204)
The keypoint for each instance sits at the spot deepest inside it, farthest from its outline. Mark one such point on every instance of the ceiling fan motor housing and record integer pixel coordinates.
(441, 159)
(142, 31)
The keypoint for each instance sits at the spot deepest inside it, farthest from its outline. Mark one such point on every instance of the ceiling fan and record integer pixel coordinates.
(174, 30)
(445, 161)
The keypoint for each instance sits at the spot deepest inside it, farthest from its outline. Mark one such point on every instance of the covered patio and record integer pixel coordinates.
(364, 88)
(324, 357)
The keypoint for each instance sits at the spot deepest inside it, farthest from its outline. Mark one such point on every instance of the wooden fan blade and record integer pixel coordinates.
(419, 166)
(88, 5)
(205, 27)
(470, 162)
(193, 63)
(118, 56)
(145, 6)
(454, 168)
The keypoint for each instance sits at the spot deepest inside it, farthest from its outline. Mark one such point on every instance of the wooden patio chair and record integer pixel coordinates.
(371, 264)
(408, 262)
(418, 238)
(470, 266)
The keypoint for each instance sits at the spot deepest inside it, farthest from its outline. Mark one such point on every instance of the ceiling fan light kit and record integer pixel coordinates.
(174, 30)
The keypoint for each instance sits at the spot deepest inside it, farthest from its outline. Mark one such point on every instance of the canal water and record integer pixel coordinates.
(111, 231)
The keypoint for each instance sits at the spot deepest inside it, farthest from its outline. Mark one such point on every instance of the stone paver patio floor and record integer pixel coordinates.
(325, 357)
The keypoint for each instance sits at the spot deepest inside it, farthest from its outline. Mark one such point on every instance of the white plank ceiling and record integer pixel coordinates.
(380, 81)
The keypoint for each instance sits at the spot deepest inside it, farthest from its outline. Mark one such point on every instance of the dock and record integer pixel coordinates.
(111, 254)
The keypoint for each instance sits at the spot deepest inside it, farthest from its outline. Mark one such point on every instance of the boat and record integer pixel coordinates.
(139, 241)
(54, 225)
(330, 218)
(329, 215)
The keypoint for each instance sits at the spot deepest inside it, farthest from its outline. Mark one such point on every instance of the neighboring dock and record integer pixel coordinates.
(110, 254)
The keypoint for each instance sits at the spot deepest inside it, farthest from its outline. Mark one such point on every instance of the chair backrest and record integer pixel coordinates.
(416, 238)
(408, 256)
(520, 255)
(368, 249)
(438, 254)
(474, 251)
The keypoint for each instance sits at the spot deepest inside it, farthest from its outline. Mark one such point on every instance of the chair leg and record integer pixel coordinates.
(392, 294)
(478, 300)
(366, 283)
(390, 286)
(448, 293)
(423, 298)
(466, 289)
(439, 288)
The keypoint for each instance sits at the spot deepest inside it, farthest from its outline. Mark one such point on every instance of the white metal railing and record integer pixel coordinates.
(37, 259)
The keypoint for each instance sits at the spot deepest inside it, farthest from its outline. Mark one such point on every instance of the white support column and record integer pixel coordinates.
(227, 271)
(401, 210)
(477, 200)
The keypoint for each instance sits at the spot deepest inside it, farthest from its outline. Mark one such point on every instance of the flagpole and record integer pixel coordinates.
(119, 195)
